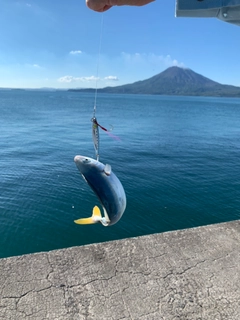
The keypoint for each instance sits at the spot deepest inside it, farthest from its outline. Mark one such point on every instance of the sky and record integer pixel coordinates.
(63, 44)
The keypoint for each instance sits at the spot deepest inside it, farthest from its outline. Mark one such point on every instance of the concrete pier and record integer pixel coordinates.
(191, 274)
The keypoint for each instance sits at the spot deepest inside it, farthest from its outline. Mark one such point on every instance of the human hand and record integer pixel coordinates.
(104, 5)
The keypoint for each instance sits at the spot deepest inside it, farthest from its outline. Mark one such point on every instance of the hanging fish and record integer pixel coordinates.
(108, 189)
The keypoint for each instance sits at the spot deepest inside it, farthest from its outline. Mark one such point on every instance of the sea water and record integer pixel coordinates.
(177, 158)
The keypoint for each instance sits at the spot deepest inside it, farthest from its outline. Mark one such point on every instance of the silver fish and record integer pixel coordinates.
(108, 189)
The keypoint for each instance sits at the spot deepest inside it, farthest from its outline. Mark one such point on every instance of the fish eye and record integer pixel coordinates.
(86, 160)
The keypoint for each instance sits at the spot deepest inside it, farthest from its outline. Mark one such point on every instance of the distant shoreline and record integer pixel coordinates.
(173, 81)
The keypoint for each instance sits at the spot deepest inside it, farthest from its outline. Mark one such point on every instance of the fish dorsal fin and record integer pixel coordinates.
(107, 169)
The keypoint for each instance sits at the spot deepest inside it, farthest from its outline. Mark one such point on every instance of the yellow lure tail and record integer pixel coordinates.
(96, 217)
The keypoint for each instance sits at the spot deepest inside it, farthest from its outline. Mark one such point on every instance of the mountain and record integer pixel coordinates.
(174, 81)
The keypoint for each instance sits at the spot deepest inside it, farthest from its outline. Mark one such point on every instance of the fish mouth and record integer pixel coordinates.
(81, 162)
(78, 159)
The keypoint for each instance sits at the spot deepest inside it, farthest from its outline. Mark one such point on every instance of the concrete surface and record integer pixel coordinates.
(188, 274)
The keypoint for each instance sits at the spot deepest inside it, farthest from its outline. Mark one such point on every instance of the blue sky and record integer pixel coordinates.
(50, 43)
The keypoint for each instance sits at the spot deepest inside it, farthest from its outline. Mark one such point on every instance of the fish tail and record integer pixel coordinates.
(96, 217)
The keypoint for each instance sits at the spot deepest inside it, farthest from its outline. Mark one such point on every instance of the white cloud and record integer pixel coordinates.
(151, 59)
(35, 66)
(69, 79)
(173, 62)
(75, 52)
(112, 78)
(92, 78)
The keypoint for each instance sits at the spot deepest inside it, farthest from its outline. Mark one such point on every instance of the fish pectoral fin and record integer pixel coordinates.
(96, 217)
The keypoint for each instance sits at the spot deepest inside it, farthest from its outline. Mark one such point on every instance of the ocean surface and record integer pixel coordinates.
(177, 158)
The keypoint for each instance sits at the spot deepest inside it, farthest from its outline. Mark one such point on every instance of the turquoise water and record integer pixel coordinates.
(177, 158)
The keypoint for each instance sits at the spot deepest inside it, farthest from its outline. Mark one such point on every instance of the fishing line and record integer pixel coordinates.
(107, 186)
(95, 125)
(98, 62)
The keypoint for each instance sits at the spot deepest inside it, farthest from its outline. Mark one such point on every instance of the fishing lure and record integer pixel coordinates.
(95, 134)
